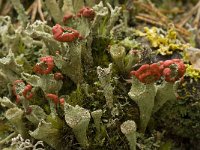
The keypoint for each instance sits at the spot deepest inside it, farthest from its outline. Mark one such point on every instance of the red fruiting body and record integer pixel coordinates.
(17, 99)
(148, 73)
(58, 76)
(65, 34)
(167, 74)
(161, 66)
(37, 69)
(143, 68)
(173, 70)
(49, 65)
(67, 17)
(53, 97)
(27, 90)
(86, 12)
(167, 63)
(48, 60)
(181, 69)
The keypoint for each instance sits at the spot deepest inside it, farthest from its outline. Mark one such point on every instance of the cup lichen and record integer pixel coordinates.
(74, 64)
(78, 119)
(15, 116)
(143, 95)
(104, 76)
(128, 128)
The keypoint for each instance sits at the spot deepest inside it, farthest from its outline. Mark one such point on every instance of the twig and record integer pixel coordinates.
(148, 20)
(189, 15)
(152, 8)
(35, 7)
(172, 11)
(148, 16)
(155, 21)
(182, 30)
(1, 3)
(34, 11)
(157, 12)
(6, 8)
(162, 20)
(196, 20)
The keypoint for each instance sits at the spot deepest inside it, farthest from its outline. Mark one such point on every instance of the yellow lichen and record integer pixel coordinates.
(192, 72)
(186, 57)
(166, 43)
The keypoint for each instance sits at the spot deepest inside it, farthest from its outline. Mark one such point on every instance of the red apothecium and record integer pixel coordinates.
(148, 73)
(45, 66)
(86, 12)
(65, 34)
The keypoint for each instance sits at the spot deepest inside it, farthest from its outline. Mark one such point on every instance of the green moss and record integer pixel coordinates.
(99, 47)
(78, 62)
(181, 118)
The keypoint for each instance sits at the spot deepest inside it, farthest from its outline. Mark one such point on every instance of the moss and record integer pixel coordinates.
(181, 118)
(99, 47)
(81, 86)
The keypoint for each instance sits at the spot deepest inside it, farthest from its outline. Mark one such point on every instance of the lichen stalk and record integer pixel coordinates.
(68, 6)
(54, 9)
(96, 115)
(15, 116)
(78, 119)
(165, 92)
(118, 54)
(115, 13)
(104, 76)
(78, 4)
(47, 133)
(36, 115)
(101, 12)
(143, 95)
(90, 3)
(20, 10)
(128, 128)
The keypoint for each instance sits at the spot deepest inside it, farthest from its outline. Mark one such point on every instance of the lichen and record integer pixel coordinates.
(191, 72)
(20, 143)
(165, 42)
(104, 76)
(86, 75)
(78, 119)
(128, 128)
(46, 132)
(144, 96)
(15, 116)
